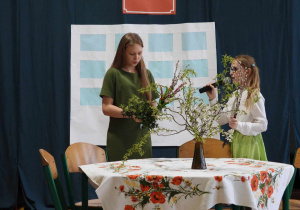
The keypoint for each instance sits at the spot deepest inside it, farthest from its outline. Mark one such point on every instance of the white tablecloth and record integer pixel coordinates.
(170, 183)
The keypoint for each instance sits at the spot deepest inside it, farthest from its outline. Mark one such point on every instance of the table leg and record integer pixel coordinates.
(219, 206)
(85, 196)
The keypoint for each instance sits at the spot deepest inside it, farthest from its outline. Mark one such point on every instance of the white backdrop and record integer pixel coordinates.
(93, 48)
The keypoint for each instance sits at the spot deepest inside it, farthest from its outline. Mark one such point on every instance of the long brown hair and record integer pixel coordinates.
(253, 79)
(128, 40)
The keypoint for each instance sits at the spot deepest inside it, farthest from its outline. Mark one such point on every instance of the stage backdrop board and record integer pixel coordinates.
(93, 48)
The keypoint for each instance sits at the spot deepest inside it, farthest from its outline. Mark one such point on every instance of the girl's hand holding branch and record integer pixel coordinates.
(233, 122)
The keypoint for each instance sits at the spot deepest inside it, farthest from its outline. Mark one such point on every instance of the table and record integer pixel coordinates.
(169, 183)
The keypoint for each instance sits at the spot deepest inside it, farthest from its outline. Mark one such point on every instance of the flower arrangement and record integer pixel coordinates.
(196, 117)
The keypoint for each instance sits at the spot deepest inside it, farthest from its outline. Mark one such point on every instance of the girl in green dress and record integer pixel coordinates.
(125, 77)
(247, 140)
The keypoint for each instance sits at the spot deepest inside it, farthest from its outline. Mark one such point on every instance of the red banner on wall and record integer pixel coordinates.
(152, 7)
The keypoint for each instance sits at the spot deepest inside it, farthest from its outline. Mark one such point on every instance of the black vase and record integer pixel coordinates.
(199, 159)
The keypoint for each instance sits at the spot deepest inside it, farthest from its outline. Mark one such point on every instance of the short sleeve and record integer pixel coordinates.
(151, 80)
(109, 84)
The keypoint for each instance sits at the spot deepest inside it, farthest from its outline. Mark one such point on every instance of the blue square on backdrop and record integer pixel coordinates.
(161, 69)
(92, 69)
(200, 66)
(160, 42)
(194, 41)
(90, 97)
(92, 42)
(118, 37)
(202, 96)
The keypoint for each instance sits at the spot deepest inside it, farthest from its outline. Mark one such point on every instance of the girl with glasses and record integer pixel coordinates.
(247, 141)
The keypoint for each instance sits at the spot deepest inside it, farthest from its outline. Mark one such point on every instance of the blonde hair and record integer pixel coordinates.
(253, 79)
(128, 40)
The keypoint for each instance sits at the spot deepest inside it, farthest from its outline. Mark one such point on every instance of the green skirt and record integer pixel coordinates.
(251, 147)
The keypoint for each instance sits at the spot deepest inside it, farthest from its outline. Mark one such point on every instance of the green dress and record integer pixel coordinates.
(252, 147)
(124, 132)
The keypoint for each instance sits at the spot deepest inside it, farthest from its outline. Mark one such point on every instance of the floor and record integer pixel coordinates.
(22, 205)
(296, 194)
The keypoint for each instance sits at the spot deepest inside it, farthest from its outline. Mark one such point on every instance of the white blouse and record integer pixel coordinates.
(250, 124)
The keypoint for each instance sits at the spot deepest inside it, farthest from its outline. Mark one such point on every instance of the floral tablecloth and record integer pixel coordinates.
(169, 183)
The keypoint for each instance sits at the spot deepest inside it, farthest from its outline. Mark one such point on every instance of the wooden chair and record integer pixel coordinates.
(288, 203)
(52, 179)
(81, 154)
(212, 149)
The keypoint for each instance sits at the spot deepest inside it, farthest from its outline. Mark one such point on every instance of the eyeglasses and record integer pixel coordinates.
(234, 69)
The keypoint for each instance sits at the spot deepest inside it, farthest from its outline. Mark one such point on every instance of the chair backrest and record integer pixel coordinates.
(48, 160)
(213, 148)
(297, 159)
(52, 179)
(82, 154)
(76, 155)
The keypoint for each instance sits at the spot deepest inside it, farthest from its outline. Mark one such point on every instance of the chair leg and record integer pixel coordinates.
(52, 187)
(68, 181)
(286, 198)
(61, 194)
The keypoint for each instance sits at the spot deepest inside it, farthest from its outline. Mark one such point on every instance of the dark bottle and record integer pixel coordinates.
(199, 159)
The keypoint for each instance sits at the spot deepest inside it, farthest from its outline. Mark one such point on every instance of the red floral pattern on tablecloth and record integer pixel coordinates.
(262, 184)
(157, 189)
